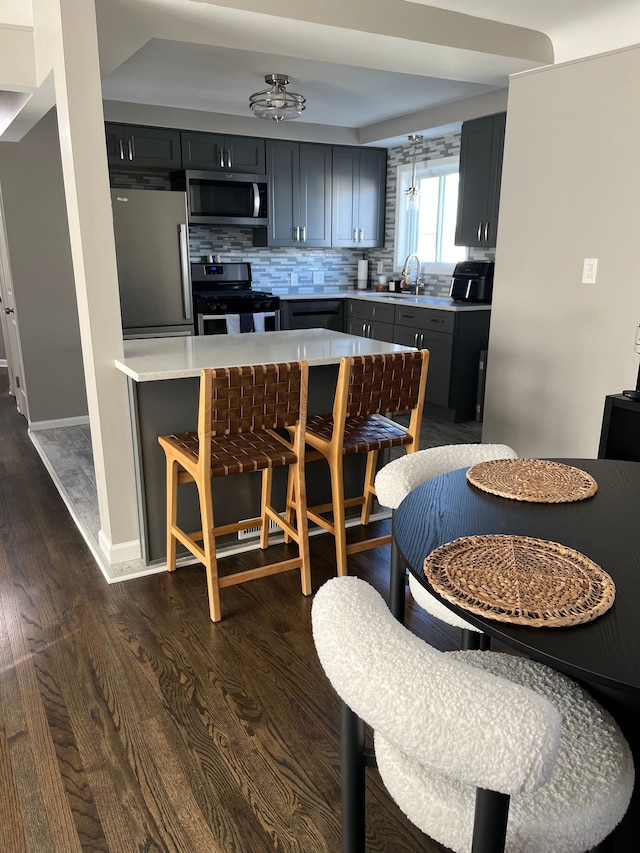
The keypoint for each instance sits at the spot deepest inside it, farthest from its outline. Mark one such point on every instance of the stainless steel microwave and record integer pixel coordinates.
(224, 198)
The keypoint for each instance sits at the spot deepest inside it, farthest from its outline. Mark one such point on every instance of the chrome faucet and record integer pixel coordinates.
(405, 269)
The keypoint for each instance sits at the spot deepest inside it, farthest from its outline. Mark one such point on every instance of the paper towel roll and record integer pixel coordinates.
(363, 270)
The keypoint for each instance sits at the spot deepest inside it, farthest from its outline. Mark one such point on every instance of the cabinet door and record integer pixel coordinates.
(481, 148)
(283, 160)
(114, 134)
(380, 331)
(371, 197)
(154, 146)
(247, 154)
(202, 151)
(440, 346)
(130, 145)
(315, 195)
(345, 197)
(215, 152)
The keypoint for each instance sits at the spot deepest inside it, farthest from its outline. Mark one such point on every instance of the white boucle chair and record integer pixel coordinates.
(460, 733)
(393, 483)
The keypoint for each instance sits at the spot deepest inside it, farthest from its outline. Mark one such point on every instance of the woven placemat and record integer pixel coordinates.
(534, 480)
(521, 580)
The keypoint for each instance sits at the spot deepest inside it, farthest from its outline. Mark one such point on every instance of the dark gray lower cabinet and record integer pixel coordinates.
(455, 340)
(312, 314)
(370, 320)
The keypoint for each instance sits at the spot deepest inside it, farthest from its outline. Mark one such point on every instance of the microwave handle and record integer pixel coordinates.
(256, 200)
(185, 274)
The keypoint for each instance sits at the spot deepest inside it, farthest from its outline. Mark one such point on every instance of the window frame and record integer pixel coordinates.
(426, 168)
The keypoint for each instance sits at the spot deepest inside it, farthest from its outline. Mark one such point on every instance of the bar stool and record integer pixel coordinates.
(239, 410)
(368, 387)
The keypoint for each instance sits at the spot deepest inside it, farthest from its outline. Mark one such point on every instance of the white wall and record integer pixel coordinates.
(43, 281)
(570, 190)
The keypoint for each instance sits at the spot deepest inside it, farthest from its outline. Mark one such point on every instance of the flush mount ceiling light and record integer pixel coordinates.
(413, 193)
(276, 103)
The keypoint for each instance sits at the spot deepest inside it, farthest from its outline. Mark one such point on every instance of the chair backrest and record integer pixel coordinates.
(400, 476)
(452, 717)
(383, 383)
(236, 400)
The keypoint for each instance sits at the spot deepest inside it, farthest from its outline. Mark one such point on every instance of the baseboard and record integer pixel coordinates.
(38, 426)
(123, 552)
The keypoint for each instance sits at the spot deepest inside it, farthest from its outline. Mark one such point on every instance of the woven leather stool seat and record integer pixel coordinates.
(368, 388)
(232, 454)
(243, 418)
(361, 434)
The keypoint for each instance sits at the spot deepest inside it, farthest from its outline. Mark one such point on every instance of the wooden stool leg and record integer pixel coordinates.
(209, 546)
(290, 512)
(300, 497)
(339, 530)
(267, 483)
(172, 511)
(369, 490)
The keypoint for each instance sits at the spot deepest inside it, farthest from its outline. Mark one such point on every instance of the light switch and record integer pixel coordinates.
(318, 276)
(589, 270)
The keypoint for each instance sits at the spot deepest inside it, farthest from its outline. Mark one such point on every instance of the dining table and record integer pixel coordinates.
(603, 654)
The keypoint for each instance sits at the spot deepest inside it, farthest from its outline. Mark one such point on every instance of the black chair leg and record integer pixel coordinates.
(490, 821)
(353, 764)
(474, 640)
(397, 582)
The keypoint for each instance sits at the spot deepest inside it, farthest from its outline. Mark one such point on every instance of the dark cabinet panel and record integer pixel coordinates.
(222, 153)
(481, 151)
(370, 320)
(312, 314)
(455, 340)
(300, 194)
(359, 190)
(132, 145)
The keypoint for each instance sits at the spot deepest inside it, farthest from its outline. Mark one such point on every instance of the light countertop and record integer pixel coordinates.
(152, 359)
(440, 303)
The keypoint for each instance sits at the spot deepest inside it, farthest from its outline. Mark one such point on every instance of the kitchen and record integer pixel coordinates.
(31, 173)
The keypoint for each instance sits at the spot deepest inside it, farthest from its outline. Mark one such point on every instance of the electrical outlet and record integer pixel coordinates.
(589, 270)
(318, 276)
(380, 267)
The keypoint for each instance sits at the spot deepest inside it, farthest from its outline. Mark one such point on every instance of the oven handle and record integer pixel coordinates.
(256, 200)
(185, 273)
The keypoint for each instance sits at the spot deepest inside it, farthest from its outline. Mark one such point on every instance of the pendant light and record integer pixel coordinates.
(413, 193)
(276, 103)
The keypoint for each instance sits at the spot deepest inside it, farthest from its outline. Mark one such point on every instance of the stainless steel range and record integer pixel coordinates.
(225, 303)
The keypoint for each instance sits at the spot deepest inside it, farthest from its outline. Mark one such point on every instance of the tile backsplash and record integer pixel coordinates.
(283, 269)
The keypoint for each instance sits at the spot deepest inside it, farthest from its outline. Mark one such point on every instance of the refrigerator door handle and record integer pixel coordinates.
(185, 273)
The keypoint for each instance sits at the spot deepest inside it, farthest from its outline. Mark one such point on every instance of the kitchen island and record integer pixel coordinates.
(163, 381)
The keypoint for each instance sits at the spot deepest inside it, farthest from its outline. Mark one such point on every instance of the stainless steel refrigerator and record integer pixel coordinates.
(152, 250)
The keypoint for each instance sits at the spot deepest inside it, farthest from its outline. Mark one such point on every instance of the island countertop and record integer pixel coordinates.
(152, 359)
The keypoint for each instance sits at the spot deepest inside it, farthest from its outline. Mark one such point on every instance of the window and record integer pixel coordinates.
(429, 231)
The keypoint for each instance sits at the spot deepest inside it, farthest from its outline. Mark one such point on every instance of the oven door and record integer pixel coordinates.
(233, 324)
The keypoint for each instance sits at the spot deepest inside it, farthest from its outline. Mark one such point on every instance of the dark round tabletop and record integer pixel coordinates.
(605, 527)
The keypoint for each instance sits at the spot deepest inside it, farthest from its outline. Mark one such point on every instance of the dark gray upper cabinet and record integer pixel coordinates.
(481, 149)
(215, 152)
(359, 188)
(299, 194)
(131, 145)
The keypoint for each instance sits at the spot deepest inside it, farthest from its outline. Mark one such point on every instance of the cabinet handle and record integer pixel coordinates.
(120, 145)
(296, 233)
(415, 340)
(486, 231)
(355, 235)
(364, 330)
(361, 237)
(222, 158)
(132, 152)
(479, 231)
(304, 233)
(229, 158)
(421, 340)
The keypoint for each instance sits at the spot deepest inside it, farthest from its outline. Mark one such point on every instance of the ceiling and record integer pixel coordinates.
(381, 69)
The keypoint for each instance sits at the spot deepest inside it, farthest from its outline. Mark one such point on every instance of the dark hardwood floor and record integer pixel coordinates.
(129, 722)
